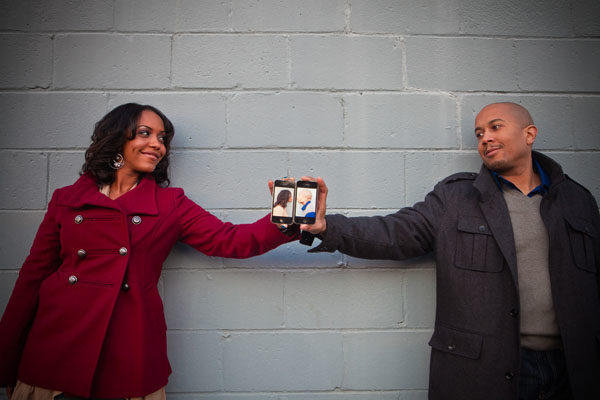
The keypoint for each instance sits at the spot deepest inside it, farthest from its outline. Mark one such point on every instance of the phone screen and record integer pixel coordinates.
(306, 202)
(282, 206)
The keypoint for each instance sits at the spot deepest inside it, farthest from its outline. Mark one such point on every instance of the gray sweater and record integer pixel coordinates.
(539, 330)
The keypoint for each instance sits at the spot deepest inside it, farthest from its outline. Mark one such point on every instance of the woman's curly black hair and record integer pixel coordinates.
(109, 137)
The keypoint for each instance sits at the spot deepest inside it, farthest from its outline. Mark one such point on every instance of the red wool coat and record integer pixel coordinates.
(85, 316)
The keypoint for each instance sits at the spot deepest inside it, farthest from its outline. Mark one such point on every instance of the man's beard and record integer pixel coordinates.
(498, 166)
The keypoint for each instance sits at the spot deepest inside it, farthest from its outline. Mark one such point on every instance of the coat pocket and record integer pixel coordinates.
(582, 235)
(476, 248)
(453, 341)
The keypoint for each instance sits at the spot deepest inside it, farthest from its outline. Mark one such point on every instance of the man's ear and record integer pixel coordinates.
(531, 133)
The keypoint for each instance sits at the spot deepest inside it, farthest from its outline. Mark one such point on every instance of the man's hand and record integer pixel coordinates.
(320, 224)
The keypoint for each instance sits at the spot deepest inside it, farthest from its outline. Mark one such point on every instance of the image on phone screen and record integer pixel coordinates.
(306, 202)
(282, 211)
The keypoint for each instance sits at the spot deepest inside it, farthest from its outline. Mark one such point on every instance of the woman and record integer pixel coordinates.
(280, 206)
(85, 317)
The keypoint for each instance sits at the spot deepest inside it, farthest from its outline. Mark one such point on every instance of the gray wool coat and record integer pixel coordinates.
(465, 222)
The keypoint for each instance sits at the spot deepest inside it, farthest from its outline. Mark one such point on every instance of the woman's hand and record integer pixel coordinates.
(9, 391)
(320, 224)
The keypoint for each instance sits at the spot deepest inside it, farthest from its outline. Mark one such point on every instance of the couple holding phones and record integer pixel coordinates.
(87, 293)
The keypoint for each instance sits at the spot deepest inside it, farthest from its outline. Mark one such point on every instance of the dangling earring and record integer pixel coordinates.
(117, 162)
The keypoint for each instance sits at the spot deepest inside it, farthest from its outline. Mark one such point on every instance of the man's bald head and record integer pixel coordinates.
(519, 113)
(304, 195)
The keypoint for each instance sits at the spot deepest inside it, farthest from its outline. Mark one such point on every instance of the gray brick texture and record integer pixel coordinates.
(378, 97)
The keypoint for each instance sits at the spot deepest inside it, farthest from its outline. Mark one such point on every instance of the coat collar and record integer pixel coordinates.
(551, 167)
(486, 186)
(85, 192)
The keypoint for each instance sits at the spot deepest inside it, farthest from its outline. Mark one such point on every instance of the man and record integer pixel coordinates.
(305, 204)
(517, 250)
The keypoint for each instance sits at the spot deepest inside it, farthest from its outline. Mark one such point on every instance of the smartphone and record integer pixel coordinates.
(306, 202)
(284, 199)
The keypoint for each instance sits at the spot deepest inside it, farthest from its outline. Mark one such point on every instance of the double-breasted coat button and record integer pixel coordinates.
(72, 279)
(125, 287)
(81, 253)
(78, 219)
(481, 228)
(123, 251)
(136, 220)
(509, 376)
(451, 347)
(514, 313)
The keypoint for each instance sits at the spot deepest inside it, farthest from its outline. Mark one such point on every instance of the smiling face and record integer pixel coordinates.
(505, 134)
(147, 148)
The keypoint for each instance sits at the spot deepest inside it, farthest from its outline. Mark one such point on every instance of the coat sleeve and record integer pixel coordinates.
(408, 233)
(43, 259)
(208, 234)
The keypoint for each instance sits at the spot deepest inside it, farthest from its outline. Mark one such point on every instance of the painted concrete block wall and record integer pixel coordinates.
(376, 96)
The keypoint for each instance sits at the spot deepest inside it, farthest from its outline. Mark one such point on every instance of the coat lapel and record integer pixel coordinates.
(496, 214)
(85, 192)
(142, 199)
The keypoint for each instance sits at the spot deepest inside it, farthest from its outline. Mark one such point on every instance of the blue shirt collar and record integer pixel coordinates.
(541, 189)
